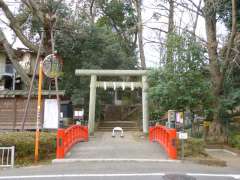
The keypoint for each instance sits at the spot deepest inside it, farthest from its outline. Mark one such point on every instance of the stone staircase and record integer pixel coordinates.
(123, 116)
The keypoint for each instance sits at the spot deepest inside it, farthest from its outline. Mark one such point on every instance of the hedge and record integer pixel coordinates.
(193, 147)
(234, 140)
(24, 143)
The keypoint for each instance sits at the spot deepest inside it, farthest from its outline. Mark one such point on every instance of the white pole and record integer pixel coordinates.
(12, 155)
(92, 103)
(145, 104)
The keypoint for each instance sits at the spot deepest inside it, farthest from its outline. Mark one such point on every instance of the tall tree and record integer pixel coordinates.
(119, 16)
(218, 67)
(138, 4)
(171, 16)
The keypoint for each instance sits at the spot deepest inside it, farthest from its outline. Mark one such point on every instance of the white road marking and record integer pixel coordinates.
(223, 150)
(113, 160)
(235, 176)
(79, 175)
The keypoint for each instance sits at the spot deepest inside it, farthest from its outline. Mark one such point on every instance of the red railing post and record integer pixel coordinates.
(151, 134)
(172, 144)
(86, 133)
(67, 138)
(166, 137)
(60, 143)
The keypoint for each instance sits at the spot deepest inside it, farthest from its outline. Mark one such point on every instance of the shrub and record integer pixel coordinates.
(234, 140)
(193, 147)
(24, 143)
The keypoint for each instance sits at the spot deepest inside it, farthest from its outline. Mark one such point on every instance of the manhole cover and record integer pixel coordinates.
(178, 177)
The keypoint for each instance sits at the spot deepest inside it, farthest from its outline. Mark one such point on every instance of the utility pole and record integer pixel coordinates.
(32, 83)
(37, 135)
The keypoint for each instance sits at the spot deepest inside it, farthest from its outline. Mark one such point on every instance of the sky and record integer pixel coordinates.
(153, 51)
(182, 17)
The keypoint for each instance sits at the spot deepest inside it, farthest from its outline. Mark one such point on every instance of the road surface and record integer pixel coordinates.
(122, 171)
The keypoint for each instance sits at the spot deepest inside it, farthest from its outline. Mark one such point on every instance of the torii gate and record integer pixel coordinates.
(94, 84)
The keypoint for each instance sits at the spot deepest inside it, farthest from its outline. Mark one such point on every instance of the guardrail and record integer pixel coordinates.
(66, 138)
(166, 137)
(7, 155)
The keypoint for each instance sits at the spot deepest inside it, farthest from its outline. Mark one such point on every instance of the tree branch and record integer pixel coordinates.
(156, 29)
(198, 11)
(35, 9)
(91, 11)
(232, 36)
(13, 58)
(196, 20)
(14, 25)
(184, 29)
(195, 5)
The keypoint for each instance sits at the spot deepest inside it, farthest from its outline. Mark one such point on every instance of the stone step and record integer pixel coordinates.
(109, 129)
(118, 123)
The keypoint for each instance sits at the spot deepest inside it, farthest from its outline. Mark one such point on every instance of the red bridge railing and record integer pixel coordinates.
(66, 138)
(166, 137)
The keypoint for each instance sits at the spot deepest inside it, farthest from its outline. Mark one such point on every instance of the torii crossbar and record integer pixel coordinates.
(94, 84)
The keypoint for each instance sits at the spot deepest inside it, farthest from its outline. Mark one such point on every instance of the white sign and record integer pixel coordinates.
(182, 135)
(79, 113)
(50, 114)
(179, 117)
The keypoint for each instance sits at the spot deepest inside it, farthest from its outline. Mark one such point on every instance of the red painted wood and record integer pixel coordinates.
(166, 137)
(66, 138)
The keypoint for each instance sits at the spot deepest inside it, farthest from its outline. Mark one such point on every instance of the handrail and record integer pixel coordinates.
(66, 138)
(7, 154)
(166, 137)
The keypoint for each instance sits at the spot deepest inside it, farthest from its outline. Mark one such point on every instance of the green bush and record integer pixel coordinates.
(193, 147)
(234, 140)
(24, 143)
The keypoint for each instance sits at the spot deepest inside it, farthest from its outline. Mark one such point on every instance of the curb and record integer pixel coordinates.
(56, 161)
(223, 150)
(224, 147)
(209, 162)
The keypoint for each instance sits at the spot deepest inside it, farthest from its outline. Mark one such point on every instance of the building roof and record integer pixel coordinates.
(6, 93)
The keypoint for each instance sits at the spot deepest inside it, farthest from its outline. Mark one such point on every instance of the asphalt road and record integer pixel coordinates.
(122, 171)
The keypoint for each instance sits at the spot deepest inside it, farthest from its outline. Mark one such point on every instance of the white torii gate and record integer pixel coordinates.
(94, 84)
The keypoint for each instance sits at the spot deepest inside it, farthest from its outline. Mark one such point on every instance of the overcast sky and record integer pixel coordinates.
(182, 18)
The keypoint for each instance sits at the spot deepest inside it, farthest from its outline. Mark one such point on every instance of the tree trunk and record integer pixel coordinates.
(215, 130)
(171, 16)
(170, 32)
(140, 33)
(217, 75)
(48, 27)
(196, 20)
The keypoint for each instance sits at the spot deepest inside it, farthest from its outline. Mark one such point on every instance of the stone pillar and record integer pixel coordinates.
(145, 113)
(92, 104)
